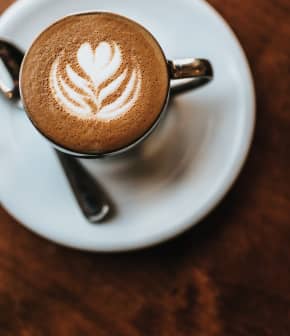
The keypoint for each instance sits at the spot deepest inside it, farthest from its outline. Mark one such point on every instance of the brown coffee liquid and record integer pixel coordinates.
(94, 83)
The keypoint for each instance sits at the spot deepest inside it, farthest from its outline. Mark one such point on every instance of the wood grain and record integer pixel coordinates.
(230, 275)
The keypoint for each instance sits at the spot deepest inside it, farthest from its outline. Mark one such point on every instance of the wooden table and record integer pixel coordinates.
(228, 276)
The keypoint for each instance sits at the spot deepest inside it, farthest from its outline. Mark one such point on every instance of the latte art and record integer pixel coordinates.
(85, 94)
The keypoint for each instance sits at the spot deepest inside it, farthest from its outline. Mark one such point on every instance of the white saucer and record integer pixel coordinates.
(174, 186)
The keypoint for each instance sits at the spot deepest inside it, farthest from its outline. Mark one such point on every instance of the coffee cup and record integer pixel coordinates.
(97, 84)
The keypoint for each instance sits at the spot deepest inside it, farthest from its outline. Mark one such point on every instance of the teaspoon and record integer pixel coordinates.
(92, 199)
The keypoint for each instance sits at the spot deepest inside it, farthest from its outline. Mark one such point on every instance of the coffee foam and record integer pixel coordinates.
(101, 85)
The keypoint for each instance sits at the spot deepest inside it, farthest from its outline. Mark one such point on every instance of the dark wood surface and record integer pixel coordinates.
(230, 275)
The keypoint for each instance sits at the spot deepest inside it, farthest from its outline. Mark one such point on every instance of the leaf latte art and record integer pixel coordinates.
(102, 89)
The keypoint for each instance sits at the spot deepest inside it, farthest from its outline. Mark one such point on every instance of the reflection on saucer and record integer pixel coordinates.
(164, 158)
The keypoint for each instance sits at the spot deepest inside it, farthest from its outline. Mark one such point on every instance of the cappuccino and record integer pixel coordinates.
(94, 82)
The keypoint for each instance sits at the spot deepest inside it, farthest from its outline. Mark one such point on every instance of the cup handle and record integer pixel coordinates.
(198, 71)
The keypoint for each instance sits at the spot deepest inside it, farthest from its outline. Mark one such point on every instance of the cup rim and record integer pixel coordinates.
(122, 150)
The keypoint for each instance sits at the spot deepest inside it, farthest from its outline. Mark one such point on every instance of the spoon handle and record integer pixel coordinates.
(10, 62)
(91, 198)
